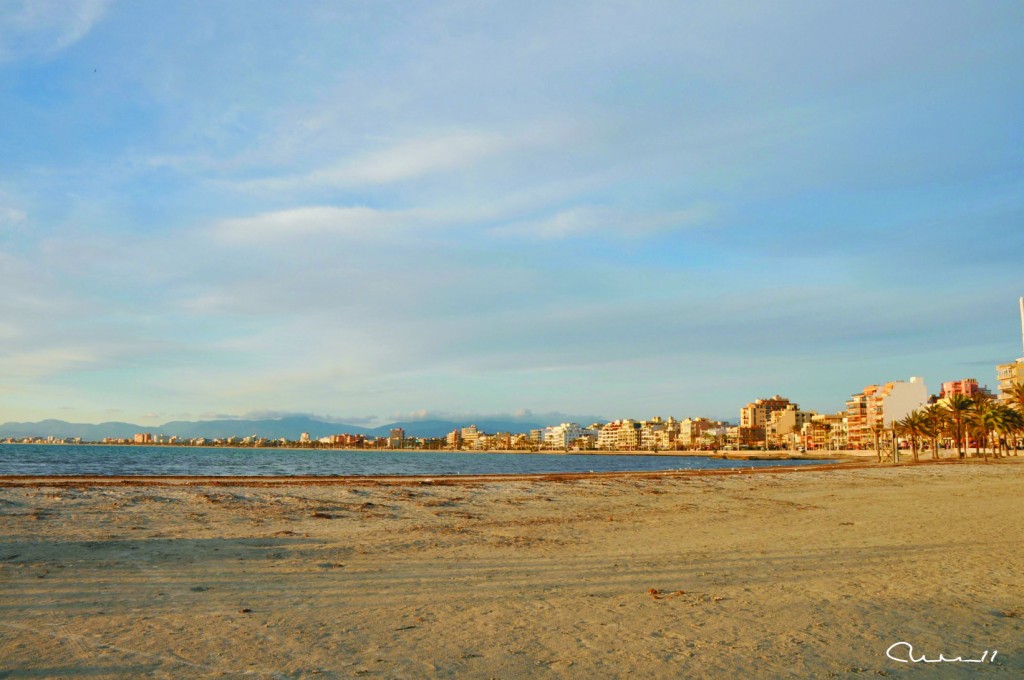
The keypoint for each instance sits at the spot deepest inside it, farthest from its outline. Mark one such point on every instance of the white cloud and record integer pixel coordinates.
(413, 159)
(43, 28)
(585, 220)
(10, 214)
(354, 221)
(406, 160)
(10, 217)
(47, 361)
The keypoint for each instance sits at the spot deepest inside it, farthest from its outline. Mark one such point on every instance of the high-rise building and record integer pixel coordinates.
(755, 416)
(1013, 372)
(879, 406)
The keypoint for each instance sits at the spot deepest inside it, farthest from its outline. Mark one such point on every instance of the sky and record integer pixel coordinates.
(373, 211)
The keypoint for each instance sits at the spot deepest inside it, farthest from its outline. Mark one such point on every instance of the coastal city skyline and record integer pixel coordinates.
(768, 422)
(382, 212)
(1006, 373)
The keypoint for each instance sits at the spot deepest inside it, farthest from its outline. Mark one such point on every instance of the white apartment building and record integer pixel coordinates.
(561, 436)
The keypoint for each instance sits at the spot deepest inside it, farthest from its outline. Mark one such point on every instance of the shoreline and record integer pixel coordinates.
(256, 481)
(547, 452)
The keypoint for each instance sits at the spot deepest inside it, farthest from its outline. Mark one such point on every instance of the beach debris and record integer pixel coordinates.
(658, 595)
(245, 611)
(405, 628)
(1012, 613)
(321, 515)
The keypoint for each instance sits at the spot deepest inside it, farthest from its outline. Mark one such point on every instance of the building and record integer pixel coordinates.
(786, 425)
(877, 407)
(143, 438)
(620, 435)
(825, 431)
(1013, 372)
(469, 436)
(665, 434)
(657, 434)
(396, 438)
(757, 413)
(692, 431)
(520, 442)
(967, 387)
(1008, 374)
(348, 440)
(755, 416)
(562, 436)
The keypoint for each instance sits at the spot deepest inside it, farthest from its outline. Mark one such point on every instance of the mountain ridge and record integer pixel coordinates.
(290, 427)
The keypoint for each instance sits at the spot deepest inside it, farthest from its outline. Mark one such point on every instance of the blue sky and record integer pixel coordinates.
(378, 210)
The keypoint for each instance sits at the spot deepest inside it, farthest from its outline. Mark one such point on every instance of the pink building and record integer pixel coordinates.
(967, 387)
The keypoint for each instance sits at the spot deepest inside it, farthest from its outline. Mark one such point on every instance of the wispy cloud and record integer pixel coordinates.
(352, 221)
(11, 214)
(398, 162)
(43, 28)
(11, 217)
(588, 220)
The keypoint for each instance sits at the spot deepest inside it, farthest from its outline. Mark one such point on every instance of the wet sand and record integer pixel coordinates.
(780, 573)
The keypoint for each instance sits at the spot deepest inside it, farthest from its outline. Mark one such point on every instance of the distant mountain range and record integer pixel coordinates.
(289, 428)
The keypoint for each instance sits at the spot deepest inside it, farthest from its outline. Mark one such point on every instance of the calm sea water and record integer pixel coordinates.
(37, 459)
(48, 460)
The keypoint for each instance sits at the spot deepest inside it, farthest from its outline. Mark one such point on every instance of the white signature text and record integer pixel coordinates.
(908, 656)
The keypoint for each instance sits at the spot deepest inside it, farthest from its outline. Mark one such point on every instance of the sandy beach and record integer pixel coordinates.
(810, 573)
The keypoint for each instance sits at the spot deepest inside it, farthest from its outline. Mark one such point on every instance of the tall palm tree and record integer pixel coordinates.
(935, 421)
(958, 406)
(986, 417)
(913, 425)
(1015, 397)
(1004, 427)
(981, 418)
(1013, 427)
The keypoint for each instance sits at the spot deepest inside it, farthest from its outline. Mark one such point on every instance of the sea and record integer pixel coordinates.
(67, 459)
